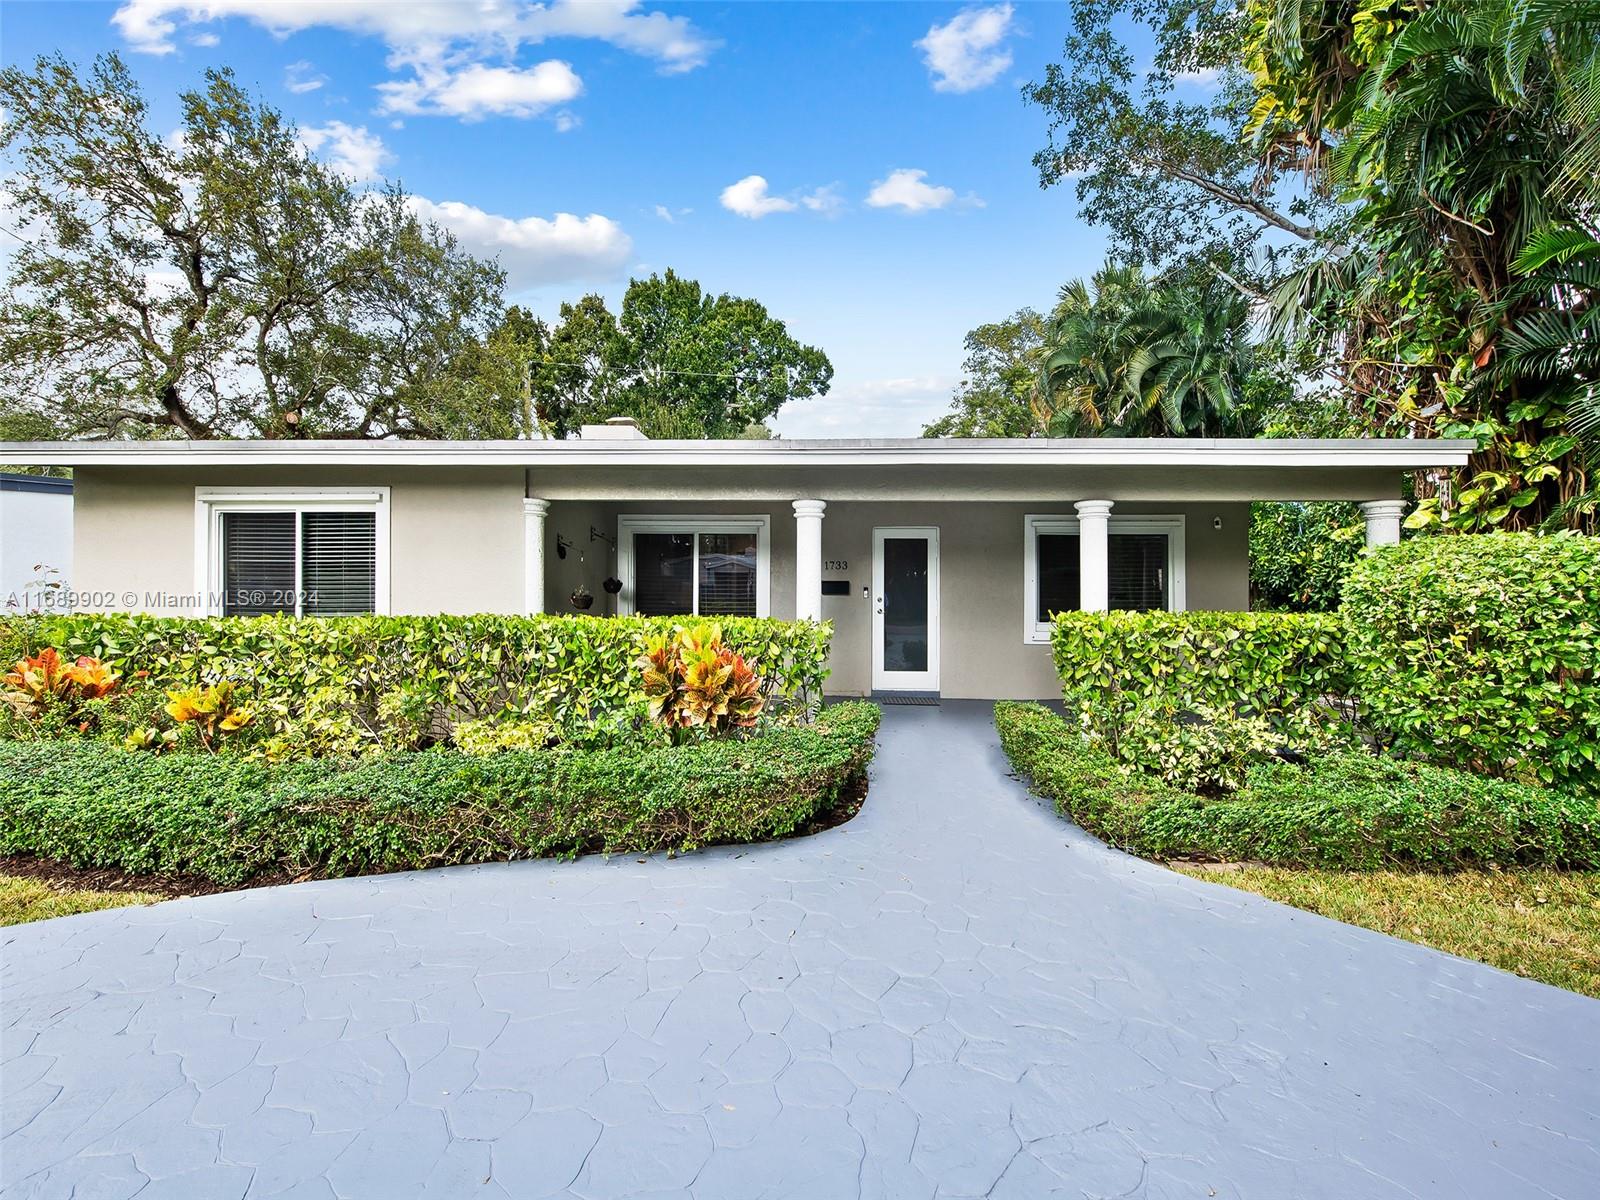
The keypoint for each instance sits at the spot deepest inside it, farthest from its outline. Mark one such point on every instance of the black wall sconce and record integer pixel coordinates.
(596, 536)
(562, 546)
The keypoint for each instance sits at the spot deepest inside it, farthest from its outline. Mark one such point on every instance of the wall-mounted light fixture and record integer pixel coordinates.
(596, 535)
(562, 546)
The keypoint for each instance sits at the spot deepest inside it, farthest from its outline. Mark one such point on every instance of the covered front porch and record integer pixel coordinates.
(938, 574)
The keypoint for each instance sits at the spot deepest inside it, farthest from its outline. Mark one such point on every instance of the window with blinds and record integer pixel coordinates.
(695, 573)
(1137, 570)
(299, 562)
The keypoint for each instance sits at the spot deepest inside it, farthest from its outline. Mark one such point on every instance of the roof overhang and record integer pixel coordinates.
(1396, 454)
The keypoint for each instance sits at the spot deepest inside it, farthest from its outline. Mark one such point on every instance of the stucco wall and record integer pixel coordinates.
(455, 535)
(982, 651)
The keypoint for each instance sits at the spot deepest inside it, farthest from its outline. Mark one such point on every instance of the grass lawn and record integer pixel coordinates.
(1542, 924)
(23, 900)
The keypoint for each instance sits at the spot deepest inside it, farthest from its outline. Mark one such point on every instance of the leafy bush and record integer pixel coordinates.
(351, 685)
(1482, 652)
(1343, 811)
(693, 682)
(229, 818)
(1192, 697)
(1301, 553)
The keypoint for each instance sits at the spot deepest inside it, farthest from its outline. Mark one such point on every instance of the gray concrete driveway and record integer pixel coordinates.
(956, 994)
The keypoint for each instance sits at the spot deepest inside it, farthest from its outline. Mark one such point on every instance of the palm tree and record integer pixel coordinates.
(1194, 353)
(1088, 340)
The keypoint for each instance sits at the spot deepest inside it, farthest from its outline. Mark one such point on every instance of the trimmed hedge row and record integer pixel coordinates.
(1482, 651)
(229, 818)
(1346, 811)
(348, 685)
(1265, 663)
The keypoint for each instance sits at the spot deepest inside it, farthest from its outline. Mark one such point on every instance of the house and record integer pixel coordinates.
(938, 561)
(35, 539)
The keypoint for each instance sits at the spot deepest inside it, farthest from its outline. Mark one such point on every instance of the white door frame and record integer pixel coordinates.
(907, 681)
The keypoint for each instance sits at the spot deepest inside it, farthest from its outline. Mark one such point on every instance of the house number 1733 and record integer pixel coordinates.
(836, 564)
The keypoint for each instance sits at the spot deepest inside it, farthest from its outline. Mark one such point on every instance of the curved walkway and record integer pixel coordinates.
(956, 994)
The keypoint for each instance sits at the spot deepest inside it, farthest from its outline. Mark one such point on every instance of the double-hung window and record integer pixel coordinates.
(694, 566)
(322, 552)
(1144, 569)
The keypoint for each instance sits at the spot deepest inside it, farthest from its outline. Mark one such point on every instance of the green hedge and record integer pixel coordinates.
(347, 685)
(1192, 697)
(1483, 652)
(1270, 663)
(1348, 811)
(230, 818)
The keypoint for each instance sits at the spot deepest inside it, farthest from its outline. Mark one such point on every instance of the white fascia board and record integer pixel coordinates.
(1201, 453)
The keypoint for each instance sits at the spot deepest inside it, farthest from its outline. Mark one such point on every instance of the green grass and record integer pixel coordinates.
(24, 900)
(1541, 924)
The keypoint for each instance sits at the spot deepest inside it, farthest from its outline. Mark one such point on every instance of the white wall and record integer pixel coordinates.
(35, 530)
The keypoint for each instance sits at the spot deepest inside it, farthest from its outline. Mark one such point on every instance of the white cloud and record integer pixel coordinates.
(908, 191)
(350, 150)
(824, 200)
(566, 122)
(535, 250)
(204, 40)
(477, 91)
(447, 37)
(965, 53)
(301, 77)
(749, 198)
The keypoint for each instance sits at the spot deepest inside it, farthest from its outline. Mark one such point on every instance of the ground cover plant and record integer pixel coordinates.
(229, 817)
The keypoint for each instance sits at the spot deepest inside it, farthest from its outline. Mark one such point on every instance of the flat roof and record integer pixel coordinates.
(1396, 453)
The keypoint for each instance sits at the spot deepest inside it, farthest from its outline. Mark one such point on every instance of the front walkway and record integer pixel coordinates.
(956, 994)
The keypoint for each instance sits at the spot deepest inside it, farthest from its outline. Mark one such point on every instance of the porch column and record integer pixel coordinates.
(808, 559)
(1094, 559)
(533, 514)
(1383, 521)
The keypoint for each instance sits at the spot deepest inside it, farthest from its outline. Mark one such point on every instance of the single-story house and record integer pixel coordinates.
(938, 561)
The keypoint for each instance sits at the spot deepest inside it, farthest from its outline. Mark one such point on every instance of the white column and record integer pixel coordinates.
(533, 514)
(1094, 558)
(1383, 521)
(808, 559)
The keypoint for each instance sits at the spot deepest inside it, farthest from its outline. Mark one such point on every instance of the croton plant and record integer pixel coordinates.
(694, 682)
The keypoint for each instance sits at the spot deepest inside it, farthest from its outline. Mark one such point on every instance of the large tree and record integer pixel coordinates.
(999, 389)
(683, 362)
(222, 282)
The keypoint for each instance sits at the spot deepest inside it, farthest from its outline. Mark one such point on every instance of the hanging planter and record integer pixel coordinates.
(581, 597)
(612, 586)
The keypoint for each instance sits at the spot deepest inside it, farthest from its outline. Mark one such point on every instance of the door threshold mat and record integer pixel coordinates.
(923, 699)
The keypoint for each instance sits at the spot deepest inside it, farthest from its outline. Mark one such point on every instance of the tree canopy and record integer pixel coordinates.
(1123, 354)
(222, 282)
(1409, 189)
(683, 362)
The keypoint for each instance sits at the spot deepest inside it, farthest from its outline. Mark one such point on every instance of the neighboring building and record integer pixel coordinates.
(35, 537)
(938, 561)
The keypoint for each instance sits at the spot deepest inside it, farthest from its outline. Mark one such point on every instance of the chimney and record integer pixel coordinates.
(616, 429)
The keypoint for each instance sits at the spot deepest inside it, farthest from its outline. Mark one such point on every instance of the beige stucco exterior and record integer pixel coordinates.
(455, 535)
(983, 653)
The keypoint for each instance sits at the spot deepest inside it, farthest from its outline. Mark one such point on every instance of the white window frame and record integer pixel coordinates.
(1036, 629)
(211, 503)
(629, 524)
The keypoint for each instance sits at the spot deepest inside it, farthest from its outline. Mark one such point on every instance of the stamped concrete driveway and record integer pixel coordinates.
(956, 994)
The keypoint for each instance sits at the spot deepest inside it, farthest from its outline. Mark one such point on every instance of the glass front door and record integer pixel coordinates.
(905, 609)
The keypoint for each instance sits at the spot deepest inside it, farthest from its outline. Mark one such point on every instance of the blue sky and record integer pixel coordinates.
(643, 124)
